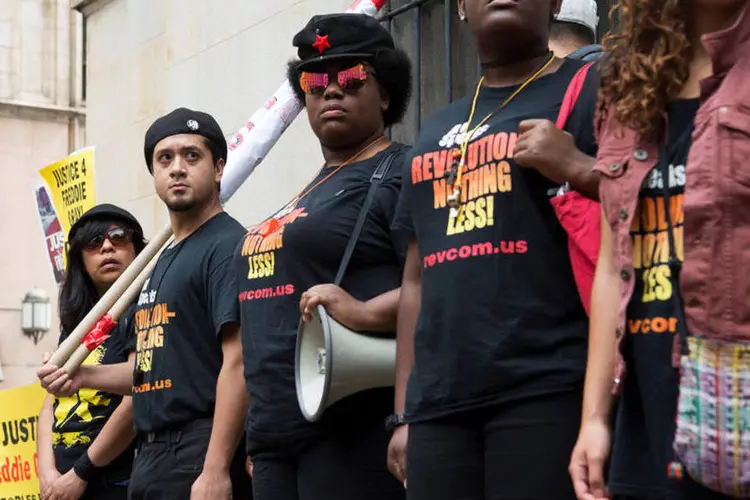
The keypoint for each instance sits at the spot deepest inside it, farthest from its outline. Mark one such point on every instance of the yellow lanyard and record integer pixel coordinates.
(457, 168)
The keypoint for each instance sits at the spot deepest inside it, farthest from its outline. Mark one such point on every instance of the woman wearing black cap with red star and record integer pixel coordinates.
(354, 83)
(85, 442)
(492, 333)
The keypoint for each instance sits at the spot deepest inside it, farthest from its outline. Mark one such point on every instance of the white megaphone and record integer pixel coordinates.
(332, 362)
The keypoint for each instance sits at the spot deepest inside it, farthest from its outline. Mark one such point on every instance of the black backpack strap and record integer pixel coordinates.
(377, 177)
(589, 53)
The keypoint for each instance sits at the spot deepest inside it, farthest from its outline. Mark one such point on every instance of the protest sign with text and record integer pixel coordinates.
(19, 413)
(71, 184)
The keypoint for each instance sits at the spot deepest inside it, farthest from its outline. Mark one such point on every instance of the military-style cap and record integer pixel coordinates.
(340, 36)
(184, 121)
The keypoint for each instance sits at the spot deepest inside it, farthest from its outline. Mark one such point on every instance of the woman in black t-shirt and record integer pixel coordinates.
(354, 84)
(492, 332)
(85, 440)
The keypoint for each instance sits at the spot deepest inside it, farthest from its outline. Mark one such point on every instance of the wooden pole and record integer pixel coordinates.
(110, 298)
(116, 311)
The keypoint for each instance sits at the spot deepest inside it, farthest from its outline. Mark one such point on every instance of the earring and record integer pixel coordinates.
(462, 17)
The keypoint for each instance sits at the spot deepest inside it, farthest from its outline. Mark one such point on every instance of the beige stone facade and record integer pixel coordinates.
(41, 121)
(225, 57)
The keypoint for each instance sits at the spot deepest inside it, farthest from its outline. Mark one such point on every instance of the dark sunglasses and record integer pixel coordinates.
(119, 238)
(350, 80)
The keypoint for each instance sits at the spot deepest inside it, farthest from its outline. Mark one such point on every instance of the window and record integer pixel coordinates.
(442, 50)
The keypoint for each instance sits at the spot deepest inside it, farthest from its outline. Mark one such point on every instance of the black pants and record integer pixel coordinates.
(342, 464)
(104, 489)
(683, 489)
(518, 451)
(166, 467)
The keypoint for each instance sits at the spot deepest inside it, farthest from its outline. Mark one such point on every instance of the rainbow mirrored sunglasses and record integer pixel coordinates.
(349, 79)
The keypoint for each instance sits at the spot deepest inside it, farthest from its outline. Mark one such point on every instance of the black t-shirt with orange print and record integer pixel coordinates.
(182, 307)
(501, 318)
(299, 247)
(645, 423)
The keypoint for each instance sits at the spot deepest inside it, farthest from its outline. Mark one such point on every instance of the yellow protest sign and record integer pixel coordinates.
(19, 412)
(71, 186)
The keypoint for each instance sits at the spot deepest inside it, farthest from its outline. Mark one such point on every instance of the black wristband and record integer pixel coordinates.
(85, 468)
(393, 421)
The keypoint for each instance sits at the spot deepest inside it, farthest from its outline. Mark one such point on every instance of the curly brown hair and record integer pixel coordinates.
(647, 63)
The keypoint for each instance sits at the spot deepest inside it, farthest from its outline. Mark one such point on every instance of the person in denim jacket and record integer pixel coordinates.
(673, 123)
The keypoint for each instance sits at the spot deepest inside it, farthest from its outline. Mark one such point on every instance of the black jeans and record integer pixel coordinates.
(166, 466)
(103, 489)
(517, 451)
(347, 463)
(683, 489)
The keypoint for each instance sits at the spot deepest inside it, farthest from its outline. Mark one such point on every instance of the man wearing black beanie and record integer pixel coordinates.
(189, 399)
(189, 396)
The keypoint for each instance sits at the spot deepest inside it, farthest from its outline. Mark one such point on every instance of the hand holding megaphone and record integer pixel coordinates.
(341, 306)
(332, 359)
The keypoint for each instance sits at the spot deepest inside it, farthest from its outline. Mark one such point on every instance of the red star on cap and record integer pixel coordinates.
(321, 43)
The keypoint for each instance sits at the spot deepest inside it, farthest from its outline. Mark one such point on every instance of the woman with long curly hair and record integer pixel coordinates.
(674, 142)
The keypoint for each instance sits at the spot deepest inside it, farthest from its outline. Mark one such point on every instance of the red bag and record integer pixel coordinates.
(578, 215)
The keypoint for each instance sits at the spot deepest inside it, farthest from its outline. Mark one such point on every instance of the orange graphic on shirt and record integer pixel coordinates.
(149, 329)
(650, 233)
(262, 241)
(657, 325)
(486, 173)
(651, 247)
